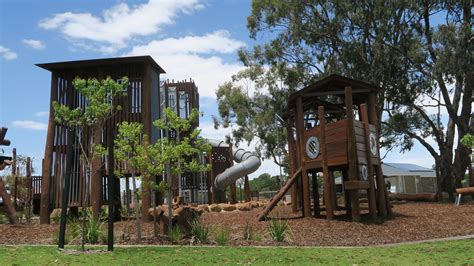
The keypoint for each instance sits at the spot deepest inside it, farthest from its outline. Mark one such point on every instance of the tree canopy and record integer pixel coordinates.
(418, 52)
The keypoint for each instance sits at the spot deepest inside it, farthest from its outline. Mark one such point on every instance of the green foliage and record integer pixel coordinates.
(99, 96)
(180, 154)
(437, 253)
(3, 219)
(265, 182)
(93, 230)
(468, 141)
(414, 54)
(55, 237)
(278, 229)
(200, 231)
(250, 233)
(127, 143)
(176, 234)
(222, 236)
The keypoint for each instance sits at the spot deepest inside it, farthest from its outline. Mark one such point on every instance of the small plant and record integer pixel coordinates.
(92, 231)
(278, 230)
(200, 231)
(250, 234)
(222, 236)
(175, 234)
(56, 237)
(3, 219)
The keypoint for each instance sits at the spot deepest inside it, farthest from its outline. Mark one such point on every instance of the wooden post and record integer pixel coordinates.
(29, 181)
(317, 209)
(328, 197)
(293, 162)
(111, 189)
(146, 120)
(65, 189)
(247, 194)
(332, 182)
(96, 178)
(370, 175)
(11, 212)
(352, 154)
(304, 175)
(233, 193)
(48, 155)
(212, 188)
(15, 173)
(233, 188)
(347, 196)
(382, 194)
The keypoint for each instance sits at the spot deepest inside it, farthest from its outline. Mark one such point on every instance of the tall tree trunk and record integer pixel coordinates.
(137, 208)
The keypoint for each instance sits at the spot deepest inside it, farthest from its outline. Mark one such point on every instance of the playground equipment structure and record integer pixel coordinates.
(224, 174)
(335, 121)
(145, 102)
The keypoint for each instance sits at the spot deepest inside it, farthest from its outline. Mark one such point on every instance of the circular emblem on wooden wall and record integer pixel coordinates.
(373, 144)
(364, 173)
(312, 147)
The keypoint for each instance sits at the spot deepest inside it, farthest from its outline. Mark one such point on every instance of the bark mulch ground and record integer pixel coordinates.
(411, 222)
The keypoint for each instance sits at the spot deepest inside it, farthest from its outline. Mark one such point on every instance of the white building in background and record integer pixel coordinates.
(409, 178)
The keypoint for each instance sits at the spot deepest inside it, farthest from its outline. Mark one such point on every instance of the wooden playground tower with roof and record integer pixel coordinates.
(331, 127)
(145, 102)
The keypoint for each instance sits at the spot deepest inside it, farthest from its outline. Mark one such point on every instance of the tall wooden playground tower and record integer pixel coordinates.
(145, 102)
(331, 127)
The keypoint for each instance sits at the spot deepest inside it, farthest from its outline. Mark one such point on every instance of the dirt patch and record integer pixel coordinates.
(412, 222)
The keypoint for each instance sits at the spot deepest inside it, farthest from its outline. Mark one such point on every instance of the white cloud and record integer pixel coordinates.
(195, 57)
(7, 54)
(42, 113)
(35, 44)
(118, 24)
(28, 124)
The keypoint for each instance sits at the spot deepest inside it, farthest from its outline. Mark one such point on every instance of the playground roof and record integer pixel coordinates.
(406, 169)
(101, 62)
(333, 85)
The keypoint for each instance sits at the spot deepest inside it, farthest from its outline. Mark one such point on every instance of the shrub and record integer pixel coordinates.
(93, 230)
(175, 234)
(200, 231)
(56, 237)
(250, 234)
(222, 236)
(278, 229)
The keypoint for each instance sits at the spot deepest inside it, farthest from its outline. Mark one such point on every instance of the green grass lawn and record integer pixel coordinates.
(447, 252)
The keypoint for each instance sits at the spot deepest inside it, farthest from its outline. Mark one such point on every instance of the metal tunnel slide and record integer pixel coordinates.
(247, 163)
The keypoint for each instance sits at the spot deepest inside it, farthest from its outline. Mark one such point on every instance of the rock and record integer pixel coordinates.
(159, 210)
(178, 201)
(244, 206)
(227, 207)
(254, 204)
(215, 208)
(182, 216)
(55, 215)
(341, 201)
(204, 207)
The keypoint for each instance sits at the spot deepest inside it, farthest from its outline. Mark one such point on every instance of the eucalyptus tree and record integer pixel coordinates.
(419, 52)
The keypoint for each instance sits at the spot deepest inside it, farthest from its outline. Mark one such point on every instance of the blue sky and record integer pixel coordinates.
(195, 39)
